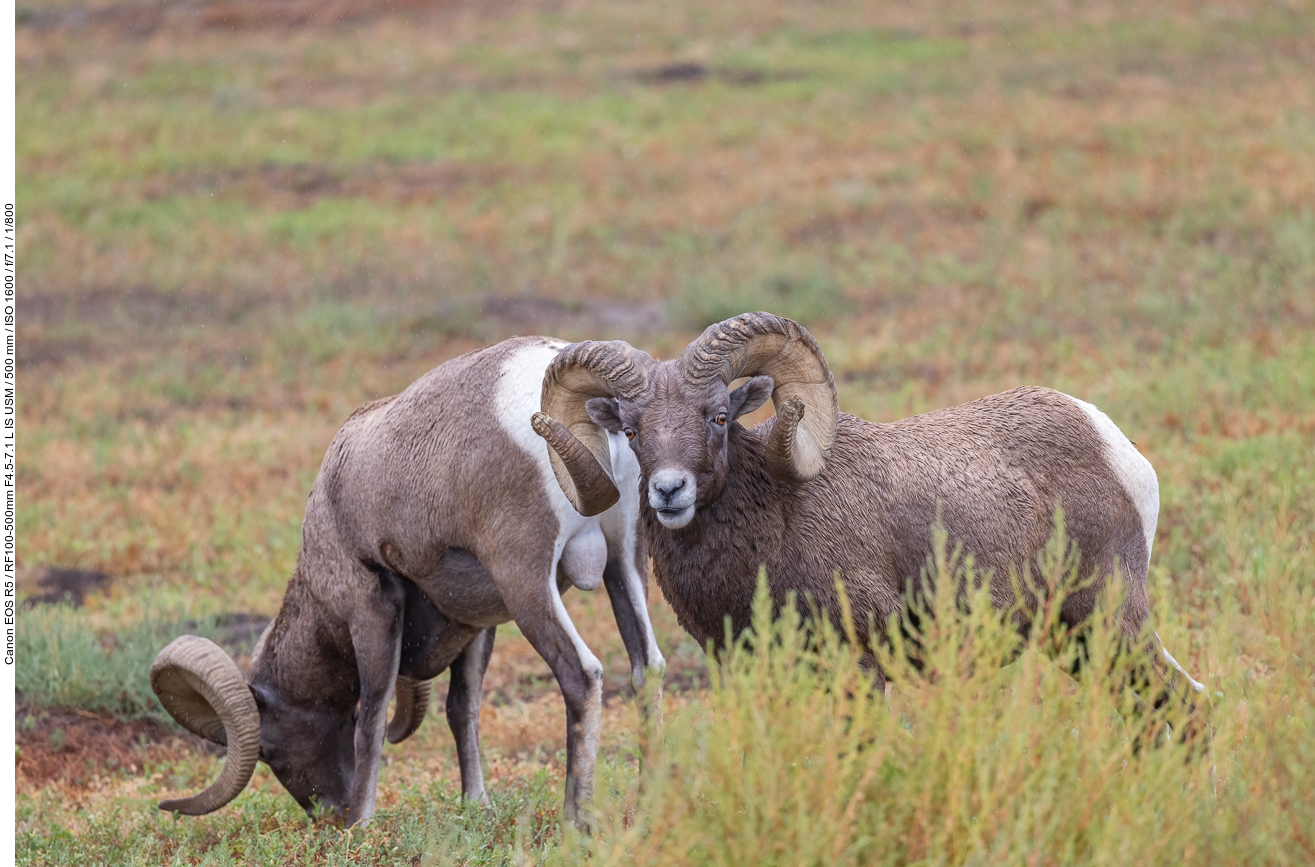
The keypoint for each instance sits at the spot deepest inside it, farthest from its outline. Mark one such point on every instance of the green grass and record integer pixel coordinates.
(232, 237)
(149, 160)
(267, 828)
(797, 288)
(68, 663)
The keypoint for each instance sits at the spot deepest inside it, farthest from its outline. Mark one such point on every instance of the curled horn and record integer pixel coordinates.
(760, 344)
(578, 447)
(203, 689)
(409, 712)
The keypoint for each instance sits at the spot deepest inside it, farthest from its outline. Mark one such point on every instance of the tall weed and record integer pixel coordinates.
(798, 756)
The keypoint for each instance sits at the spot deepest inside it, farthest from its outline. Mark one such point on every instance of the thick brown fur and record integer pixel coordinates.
(996, 469)
(723, 502)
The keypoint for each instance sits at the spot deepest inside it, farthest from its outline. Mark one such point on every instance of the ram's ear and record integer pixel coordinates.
(750, 396)
(604, 412)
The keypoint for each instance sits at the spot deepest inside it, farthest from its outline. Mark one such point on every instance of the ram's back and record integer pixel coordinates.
(434, 467)
(992, 472)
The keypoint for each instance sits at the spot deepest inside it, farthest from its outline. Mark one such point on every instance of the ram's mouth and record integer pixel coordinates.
(674, 519)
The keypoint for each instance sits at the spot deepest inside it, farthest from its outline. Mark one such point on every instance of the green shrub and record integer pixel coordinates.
(795, 758)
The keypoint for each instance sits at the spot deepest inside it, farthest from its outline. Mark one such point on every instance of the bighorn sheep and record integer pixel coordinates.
(813, 492)
(434, 518)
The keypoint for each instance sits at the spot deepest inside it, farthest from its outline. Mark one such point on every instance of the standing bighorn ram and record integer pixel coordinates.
(814, 492)
(434, 518)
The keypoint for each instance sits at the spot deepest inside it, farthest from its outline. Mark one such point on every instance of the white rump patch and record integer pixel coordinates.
(519, 391)
(1134, 472)
(518, 397)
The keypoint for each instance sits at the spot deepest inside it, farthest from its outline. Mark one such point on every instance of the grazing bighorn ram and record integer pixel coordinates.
(814, 492)
(434, 518)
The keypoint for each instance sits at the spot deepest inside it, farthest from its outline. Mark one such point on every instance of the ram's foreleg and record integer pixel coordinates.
(376, 630)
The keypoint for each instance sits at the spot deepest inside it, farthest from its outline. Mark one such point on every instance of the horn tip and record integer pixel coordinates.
(177, 806)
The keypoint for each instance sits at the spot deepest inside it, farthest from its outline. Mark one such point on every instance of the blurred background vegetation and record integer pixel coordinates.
(242, 218)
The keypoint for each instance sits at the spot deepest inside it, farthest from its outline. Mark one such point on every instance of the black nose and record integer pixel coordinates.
(669, 491)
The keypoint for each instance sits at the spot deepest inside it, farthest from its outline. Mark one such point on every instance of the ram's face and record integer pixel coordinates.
(679, 432)
(310, 750)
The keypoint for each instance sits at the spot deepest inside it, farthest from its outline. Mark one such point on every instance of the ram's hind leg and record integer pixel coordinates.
(1167, 696)
(1157, 677)
(1191, 683)
(536, 605)
(463, 699)
(1184, 695)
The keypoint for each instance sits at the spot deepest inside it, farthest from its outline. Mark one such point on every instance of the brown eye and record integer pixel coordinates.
(629, 434)
(721, 419)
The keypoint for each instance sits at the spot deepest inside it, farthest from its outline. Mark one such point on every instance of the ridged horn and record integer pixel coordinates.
(578, 448)
(203, 689)
(412, 702)
(761, 344)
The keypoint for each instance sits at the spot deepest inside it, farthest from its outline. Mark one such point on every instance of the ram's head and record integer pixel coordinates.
(676, 414)
(308, 744)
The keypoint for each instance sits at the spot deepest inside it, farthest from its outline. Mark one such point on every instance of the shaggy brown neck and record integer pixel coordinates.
(709, 568)
(307, 658)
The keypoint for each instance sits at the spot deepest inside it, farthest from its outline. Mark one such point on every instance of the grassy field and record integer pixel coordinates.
(240, 220)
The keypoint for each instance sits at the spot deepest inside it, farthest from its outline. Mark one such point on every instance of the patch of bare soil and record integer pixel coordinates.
(299, 185)
(73, 747)
(692, 73)
(70, 586)
(491, 316)
(595, 314)
(127, 320)
(686, 677)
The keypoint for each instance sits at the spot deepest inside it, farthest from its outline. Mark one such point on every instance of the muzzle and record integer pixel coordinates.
(671, 493)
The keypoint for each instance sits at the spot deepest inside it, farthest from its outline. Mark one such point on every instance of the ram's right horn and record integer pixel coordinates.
(203, 689)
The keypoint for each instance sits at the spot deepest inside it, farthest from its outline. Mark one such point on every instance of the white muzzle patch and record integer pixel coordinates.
(671, 493)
